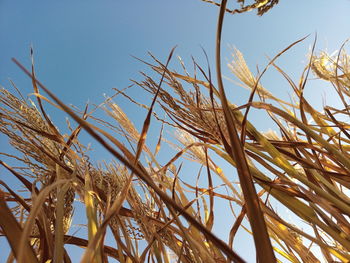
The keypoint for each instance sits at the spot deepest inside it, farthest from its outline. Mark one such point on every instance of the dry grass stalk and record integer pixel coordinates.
(304, 168)
(311, 160)
(262, 6)
(307, 164)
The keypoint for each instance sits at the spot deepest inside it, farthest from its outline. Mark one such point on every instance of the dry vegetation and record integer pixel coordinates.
(150, 212)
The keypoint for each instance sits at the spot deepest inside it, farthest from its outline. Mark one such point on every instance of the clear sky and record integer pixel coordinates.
(83, 48)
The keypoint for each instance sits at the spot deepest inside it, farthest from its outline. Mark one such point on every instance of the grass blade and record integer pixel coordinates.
(261, 238)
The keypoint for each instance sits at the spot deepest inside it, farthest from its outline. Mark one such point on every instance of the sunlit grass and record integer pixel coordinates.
(146, 207)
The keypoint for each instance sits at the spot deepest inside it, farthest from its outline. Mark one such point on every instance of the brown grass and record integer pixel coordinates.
(147, 206)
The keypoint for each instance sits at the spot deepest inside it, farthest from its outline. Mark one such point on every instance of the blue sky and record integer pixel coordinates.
(83, 48)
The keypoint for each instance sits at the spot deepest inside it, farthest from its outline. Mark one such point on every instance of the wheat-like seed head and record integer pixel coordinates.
(25, 128)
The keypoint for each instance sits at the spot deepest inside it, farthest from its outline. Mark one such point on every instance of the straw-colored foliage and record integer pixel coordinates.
(262, 6)
(152, 213)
